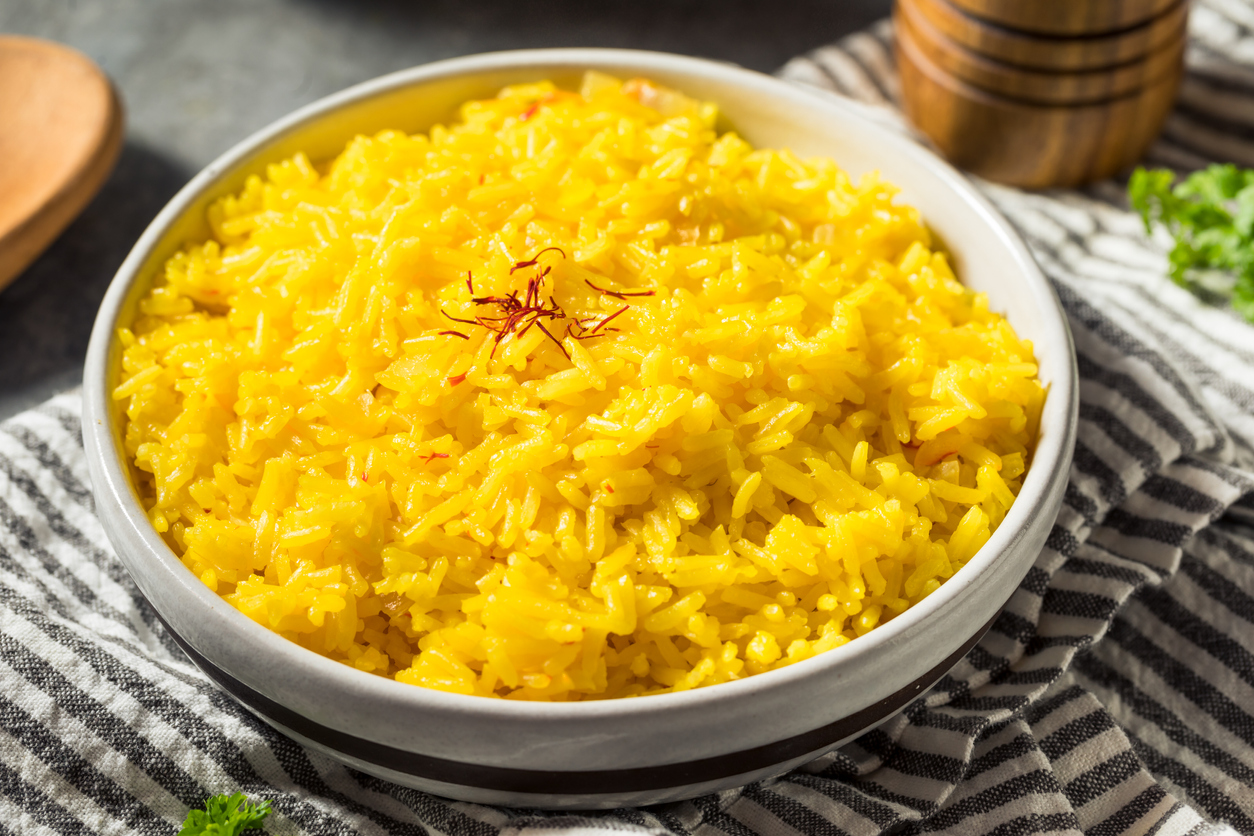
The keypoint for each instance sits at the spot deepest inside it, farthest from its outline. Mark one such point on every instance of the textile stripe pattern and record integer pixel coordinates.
(1131, 676)
(1114, 695)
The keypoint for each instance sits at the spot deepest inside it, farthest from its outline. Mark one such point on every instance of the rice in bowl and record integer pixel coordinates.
(576, 398)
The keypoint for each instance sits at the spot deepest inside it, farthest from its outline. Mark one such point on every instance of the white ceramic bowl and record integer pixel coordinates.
(618, 752)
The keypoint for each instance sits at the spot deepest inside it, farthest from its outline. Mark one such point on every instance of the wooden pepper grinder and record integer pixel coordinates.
(1040, 93)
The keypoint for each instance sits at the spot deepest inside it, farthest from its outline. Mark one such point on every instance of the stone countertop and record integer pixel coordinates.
(198, 77)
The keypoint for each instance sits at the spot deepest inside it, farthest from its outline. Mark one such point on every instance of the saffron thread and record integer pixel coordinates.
(620, 294)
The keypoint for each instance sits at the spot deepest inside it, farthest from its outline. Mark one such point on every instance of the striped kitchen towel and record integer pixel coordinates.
(1114, 695)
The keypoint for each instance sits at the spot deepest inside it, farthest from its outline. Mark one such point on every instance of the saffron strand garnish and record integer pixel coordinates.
(454, 334)
(455, 319)
(522, 265)
(620, 294)
(432, 456)
(606, 321)
(517, 315)
(555, 340)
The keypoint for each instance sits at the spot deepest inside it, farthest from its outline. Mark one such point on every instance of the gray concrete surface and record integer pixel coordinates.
(198, 76)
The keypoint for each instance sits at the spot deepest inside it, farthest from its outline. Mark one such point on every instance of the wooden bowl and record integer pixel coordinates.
(1035, 86)
(1024, 144)
(1065, 17)
(1040, 52)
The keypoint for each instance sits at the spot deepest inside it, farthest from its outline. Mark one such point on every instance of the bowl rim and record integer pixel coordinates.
(1044, 480)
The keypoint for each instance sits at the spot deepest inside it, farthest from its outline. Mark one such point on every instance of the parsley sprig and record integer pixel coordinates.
(1210, 214)
(225, 816)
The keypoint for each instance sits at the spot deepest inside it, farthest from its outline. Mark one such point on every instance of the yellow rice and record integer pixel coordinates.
(805, 430)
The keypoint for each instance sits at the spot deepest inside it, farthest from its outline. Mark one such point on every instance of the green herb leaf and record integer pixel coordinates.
(225, 816)
(1211, 216)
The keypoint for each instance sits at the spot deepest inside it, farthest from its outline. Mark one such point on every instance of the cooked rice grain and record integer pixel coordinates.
(805, 428)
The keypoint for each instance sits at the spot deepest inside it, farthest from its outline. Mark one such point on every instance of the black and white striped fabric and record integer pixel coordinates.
(1115, 695)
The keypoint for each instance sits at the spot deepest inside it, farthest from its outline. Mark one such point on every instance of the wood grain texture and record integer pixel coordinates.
(1065, 17)
(1035, 86)
(1043, 52)
(60, 135)
(1032, 146)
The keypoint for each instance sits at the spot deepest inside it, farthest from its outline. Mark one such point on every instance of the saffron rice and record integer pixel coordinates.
(737, 413)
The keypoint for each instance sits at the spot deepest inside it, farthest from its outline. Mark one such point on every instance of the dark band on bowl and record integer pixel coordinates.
(591, 782)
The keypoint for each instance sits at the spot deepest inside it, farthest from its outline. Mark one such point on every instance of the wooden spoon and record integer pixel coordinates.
(60, 135)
